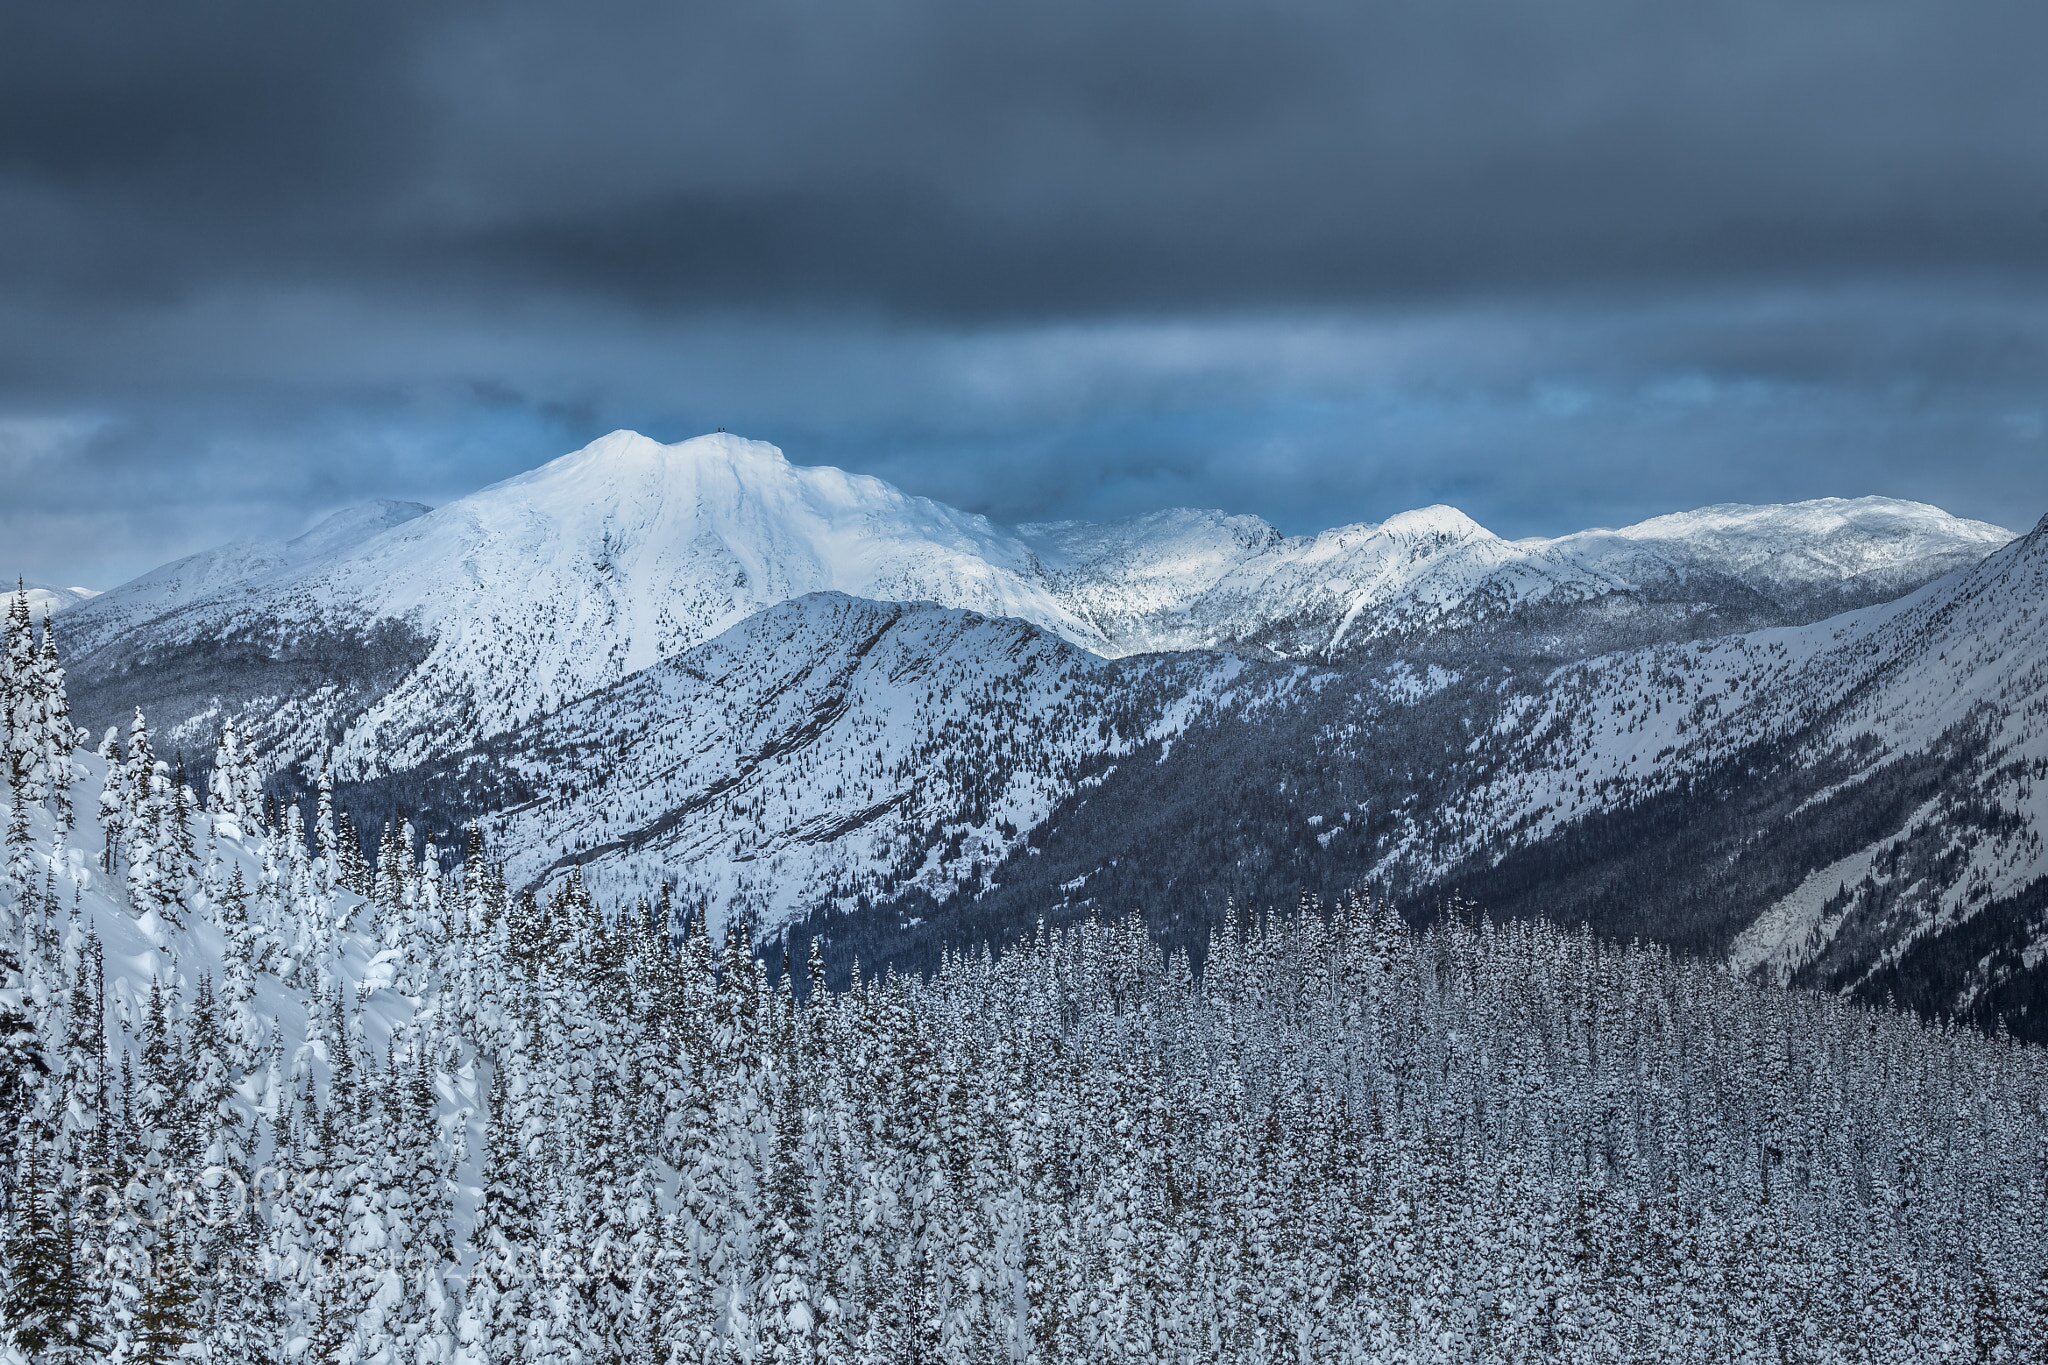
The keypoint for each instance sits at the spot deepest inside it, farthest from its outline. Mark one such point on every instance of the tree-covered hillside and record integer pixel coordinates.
(274, 1094)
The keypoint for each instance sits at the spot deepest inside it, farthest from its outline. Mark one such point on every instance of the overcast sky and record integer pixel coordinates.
(1558, 263)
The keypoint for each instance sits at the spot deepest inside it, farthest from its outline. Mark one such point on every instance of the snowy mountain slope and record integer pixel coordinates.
(828, 749)
(325, 935)
(242, 948)
(1855, 804)
(225, 571)
(253, 1077)
(1918, 728)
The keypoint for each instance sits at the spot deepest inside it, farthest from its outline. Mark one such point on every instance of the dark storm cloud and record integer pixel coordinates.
(974, 160)
(1310, 259)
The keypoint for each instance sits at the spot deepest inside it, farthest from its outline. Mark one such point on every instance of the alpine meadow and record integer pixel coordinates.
(1383, 699)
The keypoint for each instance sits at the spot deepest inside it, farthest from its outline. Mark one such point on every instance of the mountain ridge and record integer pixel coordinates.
(198, 578)
(509, 603)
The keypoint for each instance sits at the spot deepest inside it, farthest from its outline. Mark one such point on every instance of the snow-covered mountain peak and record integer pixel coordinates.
(1437, 522)
(623, 462)
(537, 590)
(628, 449)
(747, 493)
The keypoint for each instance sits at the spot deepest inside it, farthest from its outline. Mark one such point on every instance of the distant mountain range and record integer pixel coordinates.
(47, 599)
(1195, 580)
(516, 600)
(1806, 738)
